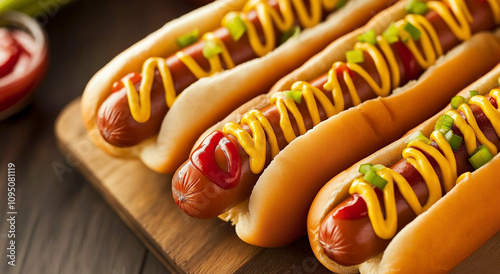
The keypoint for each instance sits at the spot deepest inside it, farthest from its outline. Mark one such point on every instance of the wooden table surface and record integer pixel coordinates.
(63, 225)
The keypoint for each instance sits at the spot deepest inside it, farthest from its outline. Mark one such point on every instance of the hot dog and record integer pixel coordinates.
(435, 168)
(237, 162)
(130, 112)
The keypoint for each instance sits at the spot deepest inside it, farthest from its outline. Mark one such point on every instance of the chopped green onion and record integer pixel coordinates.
(439, 123)
(373, 178)
(453, 139)
(391, 34)
(341, 3)
(473, 93)
(480, 157)
(412, 30)
(417, 135)
(296, 95)
(448, 121)
(211, 49)
(188, 39)
(236, 28)
(368, 37)
(444, 123)
(293, 32)
(355, 56)
(416, 7)
(457, 101)
(364, 168)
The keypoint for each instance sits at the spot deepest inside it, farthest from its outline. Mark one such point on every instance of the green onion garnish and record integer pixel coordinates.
(355, 56)
(453, 139)
(373, 178)
(448, 121)
(296, 95)
(391, 34)
(412, 30)
(368, 37)
(473, 93)
(417, 135)
(480, 157)
(444, 123)
(364, 168)
(341, 3)
(211, 49)
(457, 101)
(293, 32)
(188, 39)
(236, 28)
(416, 7)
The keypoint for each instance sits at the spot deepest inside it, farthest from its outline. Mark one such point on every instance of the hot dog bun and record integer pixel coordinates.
(440, 238)
(284, 192)
(181, 126)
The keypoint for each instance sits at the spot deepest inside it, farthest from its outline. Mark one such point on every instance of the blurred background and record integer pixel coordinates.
(62, 224)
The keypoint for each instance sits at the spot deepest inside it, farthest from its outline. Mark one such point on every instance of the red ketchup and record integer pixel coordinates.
(204, 159)
(23, 60)
(411, 68)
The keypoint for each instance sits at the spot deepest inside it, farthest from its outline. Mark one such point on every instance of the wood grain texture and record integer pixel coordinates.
(62, 226)
(152, 265)
(143, 199)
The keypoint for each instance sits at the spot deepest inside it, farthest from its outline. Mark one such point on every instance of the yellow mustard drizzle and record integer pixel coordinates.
(384, 60)
(140, 101)
(255, 146)
(459, 26)
(386, 227)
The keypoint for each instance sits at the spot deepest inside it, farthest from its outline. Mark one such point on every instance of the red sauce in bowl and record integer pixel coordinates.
(23, 60)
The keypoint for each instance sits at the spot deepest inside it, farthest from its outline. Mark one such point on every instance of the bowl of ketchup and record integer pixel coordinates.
(23, 60)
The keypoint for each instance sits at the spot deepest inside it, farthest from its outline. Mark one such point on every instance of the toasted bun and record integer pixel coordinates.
(182, 126)
(158, 43)
(437, 240)
(283, 194)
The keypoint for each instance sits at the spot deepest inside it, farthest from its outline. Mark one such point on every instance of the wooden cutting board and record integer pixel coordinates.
(143, 199)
